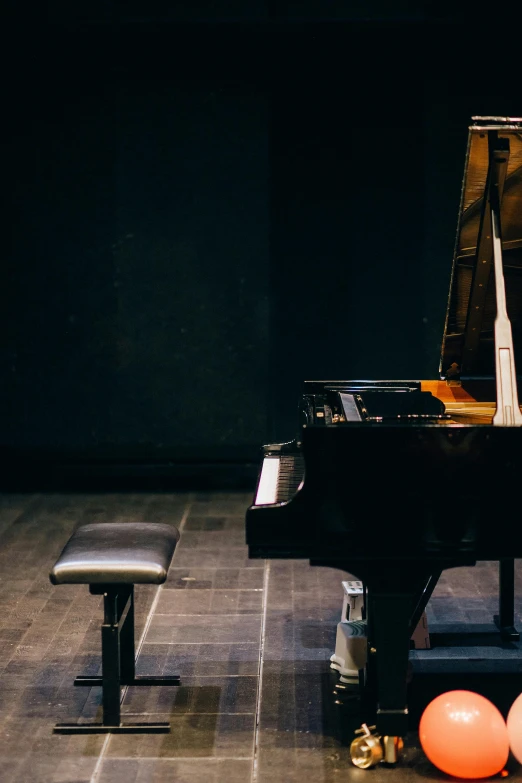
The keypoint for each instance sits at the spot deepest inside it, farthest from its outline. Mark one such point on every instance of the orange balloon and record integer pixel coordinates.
(464, 735)
(514, 725)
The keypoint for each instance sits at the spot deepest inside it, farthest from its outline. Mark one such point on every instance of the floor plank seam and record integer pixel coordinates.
(183, 714)
(260, 673)
(210, 614)
(219, 677)
(205, 643)
(228, 589)
(174, 760)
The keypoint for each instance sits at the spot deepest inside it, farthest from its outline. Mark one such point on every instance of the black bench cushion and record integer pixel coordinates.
(117, 553)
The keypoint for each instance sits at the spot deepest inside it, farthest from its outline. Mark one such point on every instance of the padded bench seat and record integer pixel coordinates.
(112, 557)
(117, 553)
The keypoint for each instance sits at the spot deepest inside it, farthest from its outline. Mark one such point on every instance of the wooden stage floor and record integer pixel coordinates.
(251, 640)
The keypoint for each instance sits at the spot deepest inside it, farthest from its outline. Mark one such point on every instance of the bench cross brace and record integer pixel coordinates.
(118, 666)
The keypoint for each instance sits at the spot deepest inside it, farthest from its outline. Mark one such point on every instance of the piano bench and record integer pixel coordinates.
(111, 558)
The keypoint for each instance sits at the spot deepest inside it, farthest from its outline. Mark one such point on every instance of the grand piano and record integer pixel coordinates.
(394, 481)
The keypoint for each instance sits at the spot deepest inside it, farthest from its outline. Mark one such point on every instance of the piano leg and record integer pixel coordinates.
(394, 599)
(387, 667)
(505, 620)
(397, 594)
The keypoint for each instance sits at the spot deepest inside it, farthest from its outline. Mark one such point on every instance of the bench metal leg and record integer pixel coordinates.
(118, 667)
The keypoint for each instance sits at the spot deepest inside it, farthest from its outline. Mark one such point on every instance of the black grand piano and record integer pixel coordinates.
(394, 481)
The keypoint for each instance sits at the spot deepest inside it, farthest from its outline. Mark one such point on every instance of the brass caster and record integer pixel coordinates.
(371, 749)
(366, 751)
(392, 749)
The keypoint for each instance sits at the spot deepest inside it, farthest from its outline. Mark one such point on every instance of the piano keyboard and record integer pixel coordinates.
(280, 478)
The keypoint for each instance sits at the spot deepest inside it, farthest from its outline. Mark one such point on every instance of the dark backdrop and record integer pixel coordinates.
(211, 202)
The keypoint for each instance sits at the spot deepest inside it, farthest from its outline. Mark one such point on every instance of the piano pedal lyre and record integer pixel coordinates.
(371, 749)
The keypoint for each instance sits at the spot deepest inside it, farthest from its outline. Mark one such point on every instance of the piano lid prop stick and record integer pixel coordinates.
(508, 411)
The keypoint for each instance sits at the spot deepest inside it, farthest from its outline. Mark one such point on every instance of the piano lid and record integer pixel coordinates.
(468, 341)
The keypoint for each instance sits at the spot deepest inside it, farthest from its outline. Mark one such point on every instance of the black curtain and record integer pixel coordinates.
(210, 203)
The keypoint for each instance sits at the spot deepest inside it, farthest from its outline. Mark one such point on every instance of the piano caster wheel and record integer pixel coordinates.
(366, 751)
(370, 749)
(392, 749)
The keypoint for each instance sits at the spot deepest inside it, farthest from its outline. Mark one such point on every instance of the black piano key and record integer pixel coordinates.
(291, 472)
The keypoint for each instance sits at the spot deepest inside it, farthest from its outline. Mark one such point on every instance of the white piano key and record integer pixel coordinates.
(267, 488)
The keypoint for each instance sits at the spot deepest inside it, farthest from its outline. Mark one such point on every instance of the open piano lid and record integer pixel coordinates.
(468, 347)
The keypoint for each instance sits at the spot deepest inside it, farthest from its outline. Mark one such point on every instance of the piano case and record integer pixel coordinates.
(394, 481)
